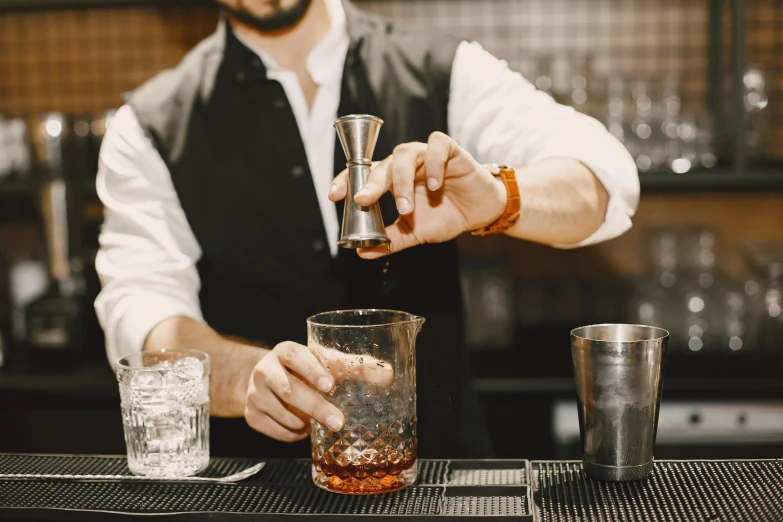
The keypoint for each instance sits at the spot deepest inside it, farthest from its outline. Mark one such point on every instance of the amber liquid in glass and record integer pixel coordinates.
(379, 476)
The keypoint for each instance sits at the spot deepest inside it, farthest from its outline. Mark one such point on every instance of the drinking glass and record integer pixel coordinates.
(543, 80)
(755, 101)
(767, 260)
(580, 88)
(372, 356)
(657, 296)
(165, 411)
(616, 108)
(705, 146)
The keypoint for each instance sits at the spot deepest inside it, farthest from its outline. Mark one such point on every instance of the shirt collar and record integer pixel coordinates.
(325, 62)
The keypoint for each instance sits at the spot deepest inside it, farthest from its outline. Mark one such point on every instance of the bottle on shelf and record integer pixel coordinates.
(54, 321)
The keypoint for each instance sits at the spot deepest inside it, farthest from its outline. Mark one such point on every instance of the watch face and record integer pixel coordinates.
(493, 168)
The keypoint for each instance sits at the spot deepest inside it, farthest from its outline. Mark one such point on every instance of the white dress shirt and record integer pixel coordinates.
(148, 255)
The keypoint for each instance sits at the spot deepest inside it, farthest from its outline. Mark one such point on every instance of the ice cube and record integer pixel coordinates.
(146, 379)
(186, 361)
(170, 378)
(172, 443)
(189, 369)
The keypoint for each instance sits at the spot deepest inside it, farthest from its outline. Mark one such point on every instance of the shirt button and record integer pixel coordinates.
(255, 62)
(297, 171)
(240, 76)
(278, 104)
(318, 245)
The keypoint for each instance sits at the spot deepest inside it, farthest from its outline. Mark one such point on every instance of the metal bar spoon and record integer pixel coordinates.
(236, 477)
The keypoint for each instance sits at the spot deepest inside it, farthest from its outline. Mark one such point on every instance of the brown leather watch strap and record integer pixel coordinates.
(513, 204)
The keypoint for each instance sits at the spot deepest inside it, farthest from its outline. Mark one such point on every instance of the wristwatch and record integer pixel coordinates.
(511, 213)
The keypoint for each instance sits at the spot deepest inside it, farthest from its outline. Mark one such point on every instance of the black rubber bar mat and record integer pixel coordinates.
(687, 491)
(494, 490)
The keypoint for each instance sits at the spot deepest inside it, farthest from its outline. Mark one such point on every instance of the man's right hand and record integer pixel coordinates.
(282, 396)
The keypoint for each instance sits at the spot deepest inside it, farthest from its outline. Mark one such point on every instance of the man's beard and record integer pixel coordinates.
(280, 20)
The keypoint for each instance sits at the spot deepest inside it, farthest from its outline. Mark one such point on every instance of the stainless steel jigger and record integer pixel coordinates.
(362, 226)
(619, 376)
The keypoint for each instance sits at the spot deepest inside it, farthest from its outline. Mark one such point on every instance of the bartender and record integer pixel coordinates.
(222, 185)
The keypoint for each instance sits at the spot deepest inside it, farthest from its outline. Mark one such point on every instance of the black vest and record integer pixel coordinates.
(237, 161)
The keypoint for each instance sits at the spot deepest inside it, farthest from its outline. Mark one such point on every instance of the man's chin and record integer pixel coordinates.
(282, 20)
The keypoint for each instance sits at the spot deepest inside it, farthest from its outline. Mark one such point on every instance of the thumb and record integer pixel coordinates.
(339, 186)
(401, 235)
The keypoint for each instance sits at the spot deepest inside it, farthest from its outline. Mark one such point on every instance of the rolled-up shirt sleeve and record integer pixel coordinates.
(148, 253)
(500, 117)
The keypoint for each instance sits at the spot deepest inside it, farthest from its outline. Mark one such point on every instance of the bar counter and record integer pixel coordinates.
(96, 488)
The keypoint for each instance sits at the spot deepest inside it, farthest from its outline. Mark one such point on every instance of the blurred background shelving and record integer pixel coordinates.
(691, 88)
(752, 179)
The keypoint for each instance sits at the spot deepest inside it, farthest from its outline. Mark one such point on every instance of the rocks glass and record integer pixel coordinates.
(165, 411)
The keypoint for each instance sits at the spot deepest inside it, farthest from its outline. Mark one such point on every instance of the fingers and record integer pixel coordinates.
(312, 404)
(345, 366)
(440, 149)
(279, 402)
(339, 186)
(270, 377)
(377, 183)
(266, 402)
(398, 172)
(375, 252)
(263, 423)
(401, 237)
(405, 162)
(264, 412)
(301, 360)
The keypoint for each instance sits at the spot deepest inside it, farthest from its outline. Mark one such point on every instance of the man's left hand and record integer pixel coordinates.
(440, 190)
